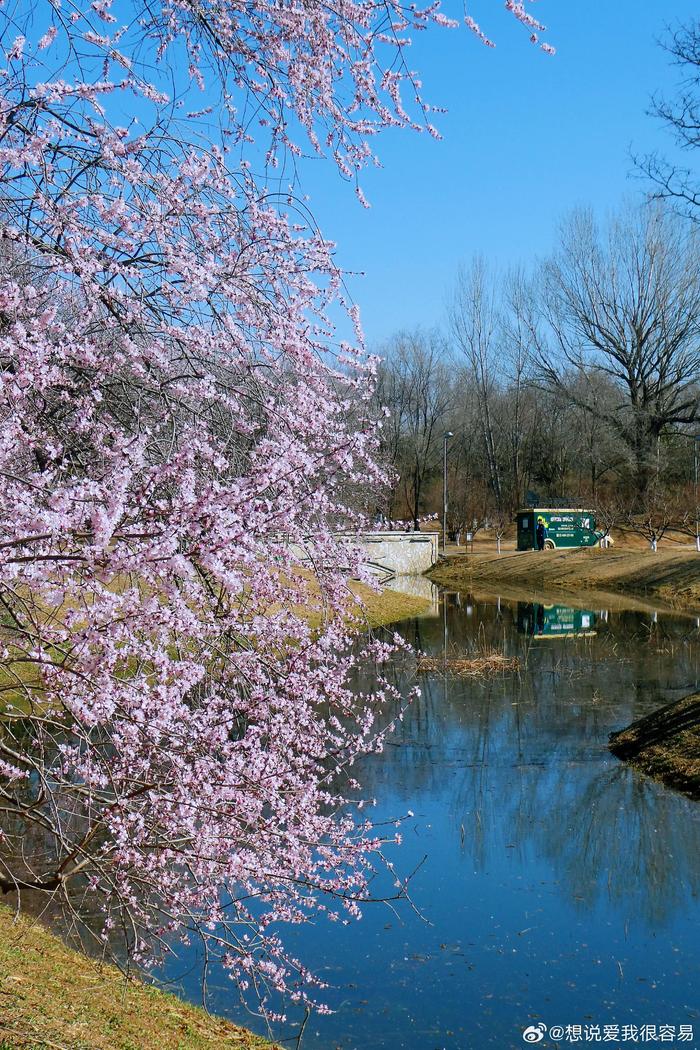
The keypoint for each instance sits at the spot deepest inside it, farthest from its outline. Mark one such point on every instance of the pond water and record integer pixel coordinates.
(555, 885)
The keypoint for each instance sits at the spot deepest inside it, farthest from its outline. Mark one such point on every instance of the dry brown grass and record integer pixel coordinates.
(365, 607)
(481, 666)
(672, 575)
(379, 609)
(54, 997)
(665, 745)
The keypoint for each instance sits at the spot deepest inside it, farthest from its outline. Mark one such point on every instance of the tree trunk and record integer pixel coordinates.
(416, 498)
(644, 458)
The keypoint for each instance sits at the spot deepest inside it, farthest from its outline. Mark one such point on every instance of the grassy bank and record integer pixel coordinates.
(665, 745)
(54, 997)
(385, 607)
(672, 575)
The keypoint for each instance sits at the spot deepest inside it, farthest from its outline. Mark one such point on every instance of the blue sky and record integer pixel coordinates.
(526, 138)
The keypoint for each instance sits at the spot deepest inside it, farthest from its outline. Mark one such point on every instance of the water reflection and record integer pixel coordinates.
(558, 883)
(554, 621)
(527, 758)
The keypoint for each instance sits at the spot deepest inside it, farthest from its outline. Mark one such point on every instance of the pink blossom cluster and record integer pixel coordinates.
(382, 524)
(178, 727)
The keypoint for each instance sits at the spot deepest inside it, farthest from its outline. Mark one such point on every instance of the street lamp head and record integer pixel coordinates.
(448, 434)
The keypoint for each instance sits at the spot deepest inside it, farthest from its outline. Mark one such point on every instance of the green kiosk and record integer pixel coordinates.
(564, 527)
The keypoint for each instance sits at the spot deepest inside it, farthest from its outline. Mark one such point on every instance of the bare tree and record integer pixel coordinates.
(688, 524)
(415, 385)
(475, 324)
(654, 517)
(570, 382)
(517, 357)
(624, 306)
(609, 511)
(674, 182)
(468, 505)
(500, 519)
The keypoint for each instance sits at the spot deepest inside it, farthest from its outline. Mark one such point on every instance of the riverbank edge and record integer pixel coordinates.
(380, 608)
(665, 745)
(53, 996)
(671, 576)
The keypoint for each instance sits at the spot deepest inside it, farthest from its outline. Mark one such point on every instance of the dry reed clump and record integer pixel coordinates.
(480, 666)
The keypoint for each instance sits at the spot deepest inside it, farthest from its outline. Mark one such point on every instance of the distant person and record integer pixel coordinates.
(540, 534)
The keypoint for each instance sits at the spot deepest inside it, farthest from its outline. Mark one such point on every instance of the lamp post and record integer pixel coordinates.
(696, 438)
(445, 436)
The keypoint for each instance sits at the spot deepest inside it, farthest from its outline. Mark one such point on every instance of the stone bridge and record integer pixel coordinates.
(399, 553)
(391, 554)
(398, 559)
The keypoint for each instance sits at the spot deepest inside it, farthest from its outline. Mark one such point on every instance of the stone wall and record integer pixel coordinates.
(391, 554)
(402, 553)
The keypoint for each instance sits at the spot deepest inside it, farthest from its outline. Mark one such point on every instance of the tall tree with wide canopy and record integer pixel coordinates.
(622, 305)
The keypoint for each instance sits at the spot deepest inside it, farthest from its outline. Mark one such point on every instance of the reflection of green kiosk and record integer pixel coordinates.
(564, 528)
(555, 621)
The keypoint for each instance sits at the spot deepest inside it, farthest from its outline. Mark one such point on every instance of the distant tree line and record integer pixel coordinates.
(579, 380)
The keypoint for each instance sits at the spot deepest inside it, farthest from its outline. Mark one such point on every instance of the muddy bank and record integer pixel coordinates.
(665, 745)
(672, 576)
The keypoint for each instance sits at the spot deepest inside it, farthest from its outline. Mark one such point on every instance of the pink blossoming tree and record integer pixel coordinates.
(179, 432)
